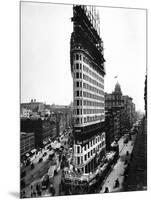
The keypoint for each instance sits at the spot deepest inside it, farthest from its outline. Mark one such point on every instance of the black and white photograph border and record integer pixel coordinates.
(10, 168)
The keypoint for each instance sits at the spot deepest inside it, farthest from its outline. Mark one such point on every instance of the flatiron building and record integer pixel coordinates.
(87, 67)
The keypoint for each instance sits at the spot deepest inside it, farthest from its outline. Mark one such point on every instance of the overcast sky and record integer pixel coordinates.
(45, 52)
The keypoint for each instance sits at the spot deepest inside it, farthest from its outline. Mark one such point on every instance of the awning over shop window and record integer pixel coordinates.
(44, 142)
(33, 151)
(27, 155)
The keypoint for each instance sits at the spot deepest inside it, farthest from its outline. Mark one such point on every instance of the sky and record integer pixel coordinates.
(45, 52)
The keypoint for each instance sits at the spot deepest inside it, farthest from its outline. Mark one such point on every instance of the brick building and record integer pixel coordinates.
(42, 128)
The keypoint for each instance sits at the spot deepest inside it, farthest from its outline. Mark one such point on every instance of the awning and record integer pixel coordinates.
(51, 152)
(33, 151)
(56, 145)
(44, 142)
(27, 154)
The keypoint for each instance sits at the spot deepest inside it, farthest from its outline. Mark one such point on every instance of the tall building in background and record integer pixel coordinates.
(114, 107)
(87, 67)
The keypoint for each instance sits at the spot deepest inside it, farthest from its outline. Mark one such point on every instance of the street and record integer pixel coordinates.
(34, 176)
(119, 168)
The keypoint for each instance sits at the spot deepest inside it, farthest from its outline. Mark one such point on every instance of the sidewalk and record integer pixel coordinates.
(118, 169)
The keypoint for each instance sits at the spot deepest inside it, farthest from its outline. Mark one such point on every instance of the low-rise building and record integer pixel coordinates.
(34, 106)
(43, 129)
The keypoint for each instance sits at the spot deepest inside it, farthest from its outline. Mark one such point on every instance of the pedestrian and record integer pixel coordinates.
(34, 193)
(106, 190)
(31, 193)
(116, 182)
(37, 187)
(39, 192)
(23, 194)
(53, 191)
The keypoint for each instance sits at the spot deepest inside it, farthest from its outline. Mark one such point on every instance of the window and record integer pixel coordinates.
(77, 102)
(81, 159)
(78, 149)
(77, 120)
(77, 57)
(77, 84)
(77, 66)
(81, 102)
(90, 144)
(93, 141)
(78, 159)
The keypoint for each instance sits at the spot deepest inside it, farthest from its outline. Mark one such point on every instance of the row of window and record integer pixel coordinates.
(80, 57)
(27, 141)
(80, 160)
(79, 102)
(81, 120)
(113, 104)
(93, 96)
(94, 82)
(113, 97)
(90, 144)
(78, 66)
(93, 111)
(93, 74)
(78, 84)
(93, 151)
(88, 111)
(78, 75)
(77, 57)
(93, 89)
(88, 95)
(27, 148)
(92, 103)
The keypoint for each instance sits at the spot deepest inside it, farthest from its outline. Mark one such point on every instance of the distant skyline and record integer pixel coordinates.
(45, 52)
